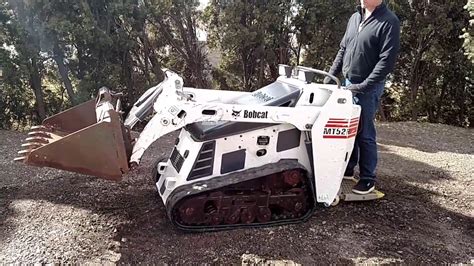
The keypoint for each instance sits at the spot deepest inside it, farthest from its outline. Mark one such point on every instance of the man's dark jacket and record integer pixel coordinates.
(368, 56)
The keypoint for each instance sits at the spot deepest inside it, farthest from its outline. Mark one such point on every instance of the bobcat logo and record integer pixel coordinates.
(236, 113)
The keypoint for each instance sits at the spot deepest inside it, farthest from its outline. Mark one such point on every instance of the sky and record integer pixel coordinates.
(203, 3)
(202, 35)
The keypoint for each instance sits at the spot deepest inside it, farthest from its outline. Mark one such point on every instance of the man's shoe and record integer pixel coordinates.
(364, 187)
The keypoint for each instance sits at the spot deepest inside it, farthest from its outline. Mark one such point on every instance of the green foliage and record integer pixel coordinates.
(430, 80)
(319, 27)
(468, 32)
(175, 24)
(57, 53)
(80, 46)
(15, 98)
(254, 37)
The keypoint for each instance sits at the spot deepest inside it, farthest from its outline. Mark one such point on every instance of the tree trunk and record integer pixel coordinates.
(414, 107)
(64, 73)
(382, 116)
(413, 85)
(261, 73)
(298, 55)
(440, 101)
(195, 63)
(127, 70)
(244, 72)
(156, 66)
(35, 82)
(414, 82)
(146, 55)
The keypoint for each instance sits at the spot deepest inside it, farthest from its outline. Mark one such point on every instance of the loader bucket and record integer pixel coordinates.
(73, 119)
(88, 139)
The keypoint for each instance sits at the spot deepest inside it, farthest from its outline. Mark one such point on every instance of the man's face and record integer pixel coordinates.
(370, 4)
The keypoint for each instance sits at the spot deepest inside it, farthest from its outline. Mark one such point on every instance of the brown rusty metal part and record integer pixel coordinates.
(20, 159)
(39, 127)
(74, 141)
(31, 145)
(97, 150)
(73, 119)
(264, 215)
(40, 134)
(292, 178)
(265, 199)
(24, 152)
(247, 216)
(37, 140)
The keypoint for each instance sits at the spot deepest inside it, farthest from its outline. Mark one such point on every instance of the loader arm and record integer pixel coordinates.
(143, 106)
(176, 115)
(176, 107)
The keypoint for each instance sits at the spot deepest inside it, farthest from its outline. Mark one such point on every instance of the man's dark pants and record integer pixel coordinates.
(365, 146)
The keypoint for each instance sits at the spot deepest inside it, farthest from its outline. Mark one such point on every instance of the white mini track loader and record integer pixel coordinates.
(241, 158)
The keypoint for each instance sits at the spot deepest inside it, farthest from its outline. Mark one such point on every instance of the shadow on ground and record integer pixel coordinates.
(411, 224)
(426, 137)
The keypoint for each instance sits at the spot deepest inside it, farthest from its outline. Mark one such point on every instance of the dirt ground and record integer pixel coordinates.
(427, 216)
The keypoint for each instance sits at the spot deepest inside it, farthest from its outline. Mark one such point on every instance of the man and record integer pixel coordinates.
(366, 56)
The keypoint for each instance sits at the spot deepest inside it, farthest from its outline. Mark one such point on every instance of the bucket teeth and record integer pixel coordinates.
(29, 147)
(41, 134)
(32, 145)
(24, 152)
(38, 140)
(40, 128)
(35, 139)
(20, 159)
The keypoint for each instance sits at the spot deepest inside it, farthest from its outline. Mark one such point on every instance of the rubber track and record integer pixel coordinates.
(233, 178)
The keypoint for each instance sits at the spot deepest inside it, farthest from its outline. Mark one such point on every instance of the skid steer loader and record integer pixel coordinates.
(241, 159)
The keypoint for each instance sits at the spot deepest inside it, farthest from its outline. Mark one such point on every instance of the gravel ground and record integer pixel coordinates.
(52, 216)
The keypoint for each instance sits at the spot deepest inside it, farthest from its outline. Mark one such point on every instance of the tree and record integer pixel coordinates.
(319, 27)
(176, 24)
(24, 38)
(57, 53)
(253, 37)
(430, 60)
(468, 32)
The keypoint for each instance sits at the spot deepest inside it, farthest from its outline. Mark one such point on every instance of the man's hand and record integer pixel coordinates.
(356, 88)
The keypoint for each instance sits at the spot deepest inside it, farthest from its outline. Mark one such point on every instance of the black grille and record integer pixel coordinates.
(163, 187)
(204, 163)
(176, 160)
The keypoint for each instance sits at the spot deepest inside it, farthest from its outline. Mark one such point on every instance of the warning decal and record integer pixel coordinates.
(339, 128)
